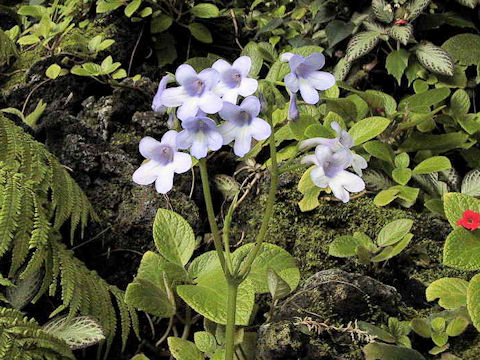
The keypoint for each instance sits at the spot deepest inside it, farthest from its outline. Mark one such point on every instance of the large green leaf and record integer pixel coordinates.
(450, 292)
(368, 128)
(462, 250)
(173, 236)
(209, 297)
(423, 101)
(146, 296)
(271, 257)
(183, 349)
(394, 231)
(473, 300)
(397, 62)
(465, 48)
(361, 44)
(455, 205)
(435, 59)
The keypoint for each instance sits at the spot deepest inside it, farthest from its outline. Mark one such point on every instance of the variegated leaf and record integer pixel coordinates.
(415, 8)
(382, 10)
(401, 33)
(435, 59)
(361, 44)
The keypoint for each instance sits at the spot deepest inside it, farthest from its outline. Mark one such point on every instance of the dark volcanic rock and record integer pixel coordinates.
(312, 316)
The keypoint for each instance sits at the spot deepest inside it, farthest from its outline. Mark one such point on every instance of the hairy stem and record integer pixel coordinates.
(217, 240)
(245, 269)
(231, 312)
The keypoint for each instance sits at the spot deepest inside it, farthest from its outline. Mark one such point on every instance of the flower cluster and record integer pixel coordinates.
(470, 220)
(211, 91)
(306, 78)
(331, 159)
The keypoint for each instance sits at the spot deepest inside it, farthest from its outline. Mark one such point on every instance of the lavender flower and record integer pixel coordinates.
(329, 171)
(234, 79)
(305, 76)
(200, 134)
(242, 124)
(343, 141)
(157, 104)
(195, 92)
(293, 113)
(164, 161)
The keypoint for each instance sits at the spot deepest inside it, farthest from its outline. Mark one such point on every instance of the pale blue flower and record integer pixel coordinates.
(293, 113)
(157, 105)
(305, 76)
(200, 134)
(163, 161)
(343, 141)
(329, 171)
(242, 124)
(195, 92)
(234, 80)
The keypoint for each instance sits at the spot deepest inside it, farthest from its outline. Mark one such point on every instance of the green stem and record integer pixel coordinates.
(244, 271)
(217, 240)
(230, 327)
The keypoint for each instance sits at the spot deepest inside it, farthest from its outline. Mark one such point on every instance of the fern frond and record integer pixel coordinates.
(23, 338)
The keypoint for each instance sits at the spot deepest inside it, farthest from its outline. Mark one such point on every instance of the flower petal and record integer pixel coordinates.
(286, 56)
(359, 163)
(157, 105)
(173, 97)
(248, 86)
(309, 159)
(338, 191)
(321, 80)
(260, 129)
(215, 140)
(291, 81)
(210, 103)
(228, 130)
(310, 143)
(182, 162)
(308, 92)
(188, 109)
(295, 61)
(164, 182)
(210, 77)
(315, 60)
(199, 148)
(243, 64)
(322, 153)
(147, 173)
(251, 105)
(318, 177)
(229, 111)
(221, 65)
(170, 139)
(230, 95)
(243, 142)
(351, 182)
(185, 73)
(185, 139)
(147, 147)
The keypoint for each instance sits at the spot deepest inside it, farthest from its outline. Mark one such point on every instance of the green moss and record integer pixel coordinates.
(72, 39)
(20, 67)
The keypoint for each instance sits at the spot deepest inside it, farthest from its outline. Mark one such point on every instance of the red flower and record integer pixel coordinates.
(470, 220)
(400, 22)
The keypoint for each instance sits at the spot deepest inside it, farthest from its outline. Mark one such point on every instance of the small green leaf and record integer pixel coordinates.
(160, 23)
(201, 33)
(205, 11)
(380, 150)
(132, 7)
(433, 164)
(346, 246)
(183, 349)
(460, 102)
(402, 161)
(402, 176)
(277, 287)
(385, 197)
(457, 326)
(451, 292)
(173, 236)
(53, 71)
(394, 231)
(438, 324)
(380, 351)
(440, 338)
(205, 342)
(397, 62)
(368, 128)
(421, 327)
(28, 40)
